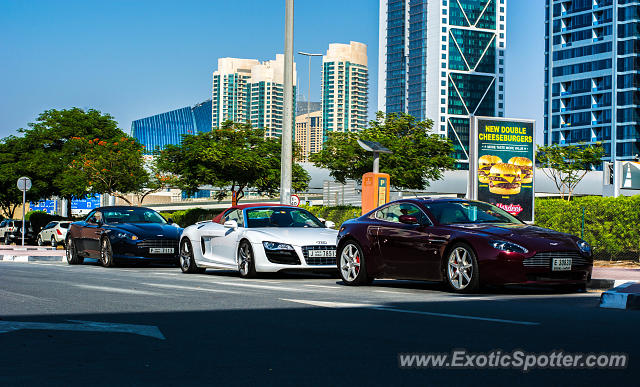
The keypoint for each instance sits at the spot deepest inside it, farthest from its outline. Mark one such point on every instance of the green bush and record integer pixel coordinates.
(185, 218)
(337, 215)
(39, 219)
(611, 225)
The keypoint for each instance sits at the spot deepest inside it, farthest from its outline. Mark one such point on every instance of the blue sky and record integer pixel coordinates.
(137, 58)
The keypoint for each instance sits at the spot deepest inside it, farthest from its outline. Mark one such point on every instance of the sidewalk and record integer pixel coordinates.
(616, 273)
(31, 254)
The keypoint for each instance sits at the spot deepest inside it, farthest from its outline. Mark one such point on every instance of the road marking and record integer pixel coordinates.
(255, 286)
(116, 290)
(393, 292)
(330, 304)
(84, 326)
(178, 287)
(325, 286)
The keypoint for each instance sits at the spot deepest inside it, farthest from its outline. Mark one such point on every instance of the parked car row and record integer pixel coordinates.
(11, 231)
(463, 243)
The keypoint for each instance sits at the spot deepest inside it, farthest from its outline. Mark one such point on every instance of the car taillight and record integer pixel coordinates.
(58, 231)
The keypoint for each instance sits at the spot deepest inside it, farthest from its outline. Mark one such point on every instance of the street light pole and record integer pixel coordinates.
(286, 154)
(309, 55)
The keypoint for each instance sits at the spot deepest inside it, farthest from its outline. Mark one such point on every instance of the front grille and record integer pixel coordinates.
(545, 258)
(159, 243)
(283, 257)
(318, 260)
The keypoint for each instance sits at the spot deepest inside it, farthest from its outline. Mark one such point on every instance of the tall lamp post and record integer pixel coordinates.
(309, 55)
(287, 130)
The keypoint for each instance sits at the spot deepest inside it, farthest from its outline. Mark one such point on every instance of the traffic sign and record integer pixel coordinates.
(24, 183)
(295, 200)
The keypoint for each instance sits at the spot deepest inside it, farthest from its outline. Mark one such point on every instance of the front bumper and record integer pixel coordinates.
(298, 262)
(512, 268)
(126, 249)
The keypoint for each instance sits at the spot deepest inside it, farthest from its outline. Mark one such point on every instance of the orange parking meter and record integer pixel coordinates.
(375, 190)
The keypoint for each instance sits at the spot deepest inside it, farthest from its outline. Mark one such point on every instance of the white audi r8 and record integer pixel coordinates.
(254, 238)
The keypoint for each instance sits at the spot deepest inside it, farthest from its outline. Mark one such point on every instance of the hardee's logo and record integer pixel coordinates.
(513, 209)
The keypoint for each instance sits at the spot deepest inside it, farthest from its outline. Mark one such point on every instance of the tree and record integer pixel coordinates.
(567, 165)
(157, 181)
(418, 154)
(48, 149)
(234, 157)
(109, 167)
(10, 172)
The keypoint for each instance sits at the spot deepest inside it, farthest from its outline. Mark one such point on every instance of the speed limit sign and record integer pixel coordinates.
(295, 200)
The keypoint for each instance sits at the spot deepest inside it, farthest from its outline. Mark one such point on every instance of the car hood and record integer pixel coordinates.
(149, 230)
(532, 237)
(298, 236)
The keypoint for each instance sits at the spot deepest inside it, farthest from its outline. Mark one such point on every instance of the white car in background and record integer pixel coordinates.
(53, 233)
(259, 238)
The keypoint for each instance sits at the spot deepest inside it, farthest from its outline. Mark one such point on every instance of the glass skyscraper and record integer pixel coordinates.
(592, 75)
(160, 130)
(443, 60)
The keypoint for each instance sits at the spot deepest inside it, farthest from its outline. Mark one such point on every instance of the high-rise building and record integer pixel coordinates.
(345, 85)
(246, 90)
(304, 107)
(443, 60)
(309, 134)
(592, 75)
(158, 131)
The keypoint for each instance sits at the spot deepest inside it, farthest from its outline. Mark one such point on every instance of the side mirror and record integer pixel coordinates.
(231, 224)
(408, 219)
(329, 224)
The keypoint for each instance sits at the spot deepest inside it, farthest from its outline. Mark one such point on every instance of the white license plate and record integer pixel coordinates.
(161, 250)
(322, 253)
(561, 264)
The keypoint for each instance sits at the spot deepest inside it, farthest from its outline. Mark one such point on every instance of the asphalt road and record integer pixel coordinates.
(217, 329)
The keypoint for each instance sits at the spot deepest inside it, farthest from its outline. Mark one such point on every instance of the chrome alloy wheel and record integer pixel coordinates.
(460, 268)
(244, 259)
(350, 262)
(185, 256)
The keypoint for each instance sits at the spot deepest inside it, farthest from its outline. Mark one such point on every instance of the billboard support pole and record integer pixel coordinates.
(472, 194)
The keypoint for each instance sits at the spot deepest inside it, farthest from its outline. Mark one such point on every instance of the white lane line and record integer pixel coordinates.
(324, 286)
(117, 290)
(329, 304)
(191, 288)
(393, 292)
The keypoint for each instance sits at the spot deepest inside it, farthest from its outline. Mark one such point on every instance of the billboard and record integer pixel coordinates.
(502, 168)
(48, 206)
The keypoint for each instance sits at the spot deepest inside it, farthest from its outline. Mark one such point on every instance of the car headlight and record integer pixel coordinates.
(508, 246)
(276, 246)
(126, 235)
(584, 246)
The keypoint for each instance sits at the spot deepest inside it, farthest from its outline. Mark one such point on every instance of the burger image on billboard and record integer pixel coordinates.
(505, 179)
(484, 167)
(526, 167)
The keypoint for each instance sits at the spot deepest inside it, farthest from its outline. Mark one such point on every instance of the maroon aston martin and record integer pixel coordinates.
(461, 242)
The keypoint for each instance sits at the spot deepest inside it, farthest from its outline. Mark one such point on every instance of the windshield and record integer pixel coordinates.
(132, 215)
(281, 217)
(469, 212)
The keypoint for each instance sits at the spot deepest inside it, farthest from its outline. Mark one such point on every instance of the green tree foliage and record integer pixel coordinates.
(234, 157)
(567, 165)
(418, 154)
(11, 169)
(105, 167)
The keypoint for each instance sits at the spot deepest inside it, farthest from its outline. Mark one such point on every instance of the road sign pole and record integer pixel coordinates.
(24, 226)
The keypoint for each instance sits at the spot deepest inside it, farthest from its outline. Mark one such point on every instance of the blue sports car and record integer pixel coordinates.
(122, 233)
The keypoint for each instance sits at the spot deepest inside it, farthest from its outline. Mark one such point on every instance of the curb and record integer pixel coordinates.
(32, 258)
(621, 297)
(604, 284)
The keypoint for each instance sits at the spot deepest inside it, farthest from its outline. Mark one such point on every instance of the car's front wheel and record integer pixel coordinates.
(461, 272)
(246, 262)
(187, 260)
(106, 253)
(39, 241)
(351, 264)
(7, 240)
(72, 254)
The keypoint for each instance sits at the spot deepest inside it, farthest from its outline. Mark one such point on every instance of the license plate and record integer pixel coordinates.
(561, 264)
(161, 250)
(322, 253)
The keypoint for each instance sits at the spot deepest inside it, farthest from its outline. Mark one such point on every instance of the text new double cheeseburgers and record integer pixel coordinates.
(526, 167)
(484, 167)
(505, 179)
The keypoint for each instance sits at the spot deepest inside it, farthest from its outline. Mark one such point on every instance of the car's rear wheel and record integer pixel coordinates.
(351, 265)
(246, 261)
(39, 241)
(461, 272)
(106, 253)
(72, 254)
(187, 260)
(54, 243)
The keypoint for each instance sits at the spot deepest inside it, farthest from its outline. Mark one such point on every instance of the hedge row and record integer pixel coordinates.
(611, 225)
(191, 216)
